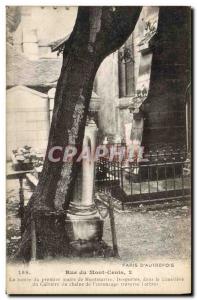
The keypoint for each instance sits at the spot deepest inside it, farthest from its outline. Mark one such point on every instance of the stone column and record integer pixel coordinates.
(83, 224)
(88, 165)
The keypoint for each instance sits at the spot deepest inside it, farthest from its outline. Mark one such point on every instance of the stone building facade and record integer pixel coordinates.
(139, 90)
(143, 84)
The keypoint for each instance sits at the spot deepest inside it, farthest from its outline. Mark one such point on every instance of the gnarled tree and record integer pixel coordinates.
(98, 32)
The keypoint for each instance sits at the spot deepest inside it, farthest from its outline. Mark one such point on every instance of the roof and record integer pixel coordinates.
(26, 89)
(59, 43)
(22, 71)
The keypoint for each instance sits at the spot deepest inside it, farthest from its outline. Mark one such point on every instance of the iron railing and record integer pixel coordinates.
(159, 176)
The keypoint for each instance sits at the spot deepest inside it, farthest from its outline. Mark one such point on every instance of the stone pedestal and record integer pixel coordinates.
(83, 224)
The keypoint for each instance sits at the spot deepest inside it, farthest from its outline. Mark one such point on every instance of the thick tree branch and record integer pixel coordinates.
(98, 31)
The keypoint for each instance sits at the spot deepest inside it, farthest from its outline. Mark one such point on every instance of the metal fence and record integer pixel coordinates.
(159, 176)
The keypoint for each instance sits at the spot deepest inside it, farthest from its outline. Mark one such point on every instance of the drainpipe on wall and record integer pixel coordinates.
(187, 164)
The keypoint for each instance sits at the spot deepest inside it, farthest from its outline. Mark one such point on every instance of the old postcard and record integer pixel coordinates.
(98, 125)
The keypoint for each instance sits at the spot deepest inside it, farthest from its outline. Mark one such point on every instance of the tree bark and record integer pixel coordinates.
(98, 31)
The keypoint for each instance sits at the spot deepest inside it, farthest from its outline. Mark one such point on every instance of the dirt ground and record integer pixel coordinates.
(152, 234)
(12, 218)
(141, 233)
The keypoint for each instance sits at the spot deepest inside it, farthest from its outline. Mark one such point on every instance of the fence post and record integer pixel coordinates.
(33, 239)
(21, 203)
(113, 229)
(121, 175)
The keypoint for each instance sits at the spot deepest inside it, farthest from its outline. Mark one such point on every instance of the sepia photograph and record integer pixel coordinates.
(98, 150)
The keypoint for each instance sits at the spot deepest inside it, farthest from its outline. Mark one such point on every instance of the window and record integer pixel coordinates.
(126, 69)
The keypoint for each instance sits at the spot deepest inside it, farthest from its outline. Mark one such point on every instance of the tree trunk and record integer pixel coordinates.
(98, 31)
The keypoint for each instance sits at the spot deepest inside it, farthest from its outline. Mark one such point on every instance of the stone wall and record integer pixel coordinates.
(27, 121)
